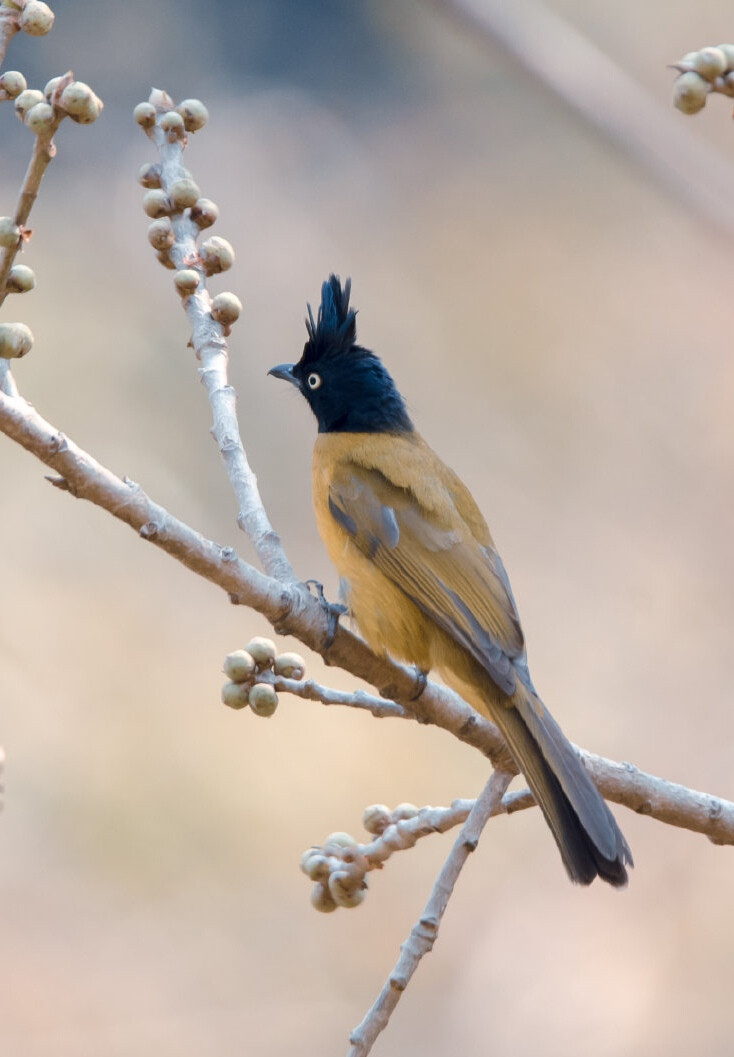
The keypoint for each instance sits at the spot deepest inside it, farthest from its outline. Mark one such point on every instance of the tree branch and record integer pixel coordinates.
(208, 339)
(605, 95)
(424, 933)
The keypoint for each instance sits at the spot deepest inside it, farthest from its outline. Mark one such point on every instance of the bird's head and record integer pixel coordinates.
(346, 385)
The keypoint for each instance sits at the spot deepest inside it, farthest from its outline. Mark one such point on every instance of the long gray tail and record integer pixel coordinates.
(590, 841)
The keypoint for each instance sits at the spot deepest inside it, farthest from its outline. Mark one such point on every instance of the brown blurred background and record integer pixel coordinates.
(560, 323)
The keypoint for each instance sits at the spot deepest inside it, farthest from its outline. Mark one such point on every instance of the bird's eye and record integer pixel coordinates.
(314, 380)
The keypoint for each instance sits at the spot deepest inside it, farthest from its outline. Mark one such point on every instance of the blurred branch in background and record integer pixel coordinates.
(606, 96)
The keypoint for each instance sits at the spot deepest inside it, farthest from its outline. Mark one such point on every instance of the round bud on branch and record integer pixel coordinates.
(12, 83)
(193, 113)
(27, 99)
(36, 18)
(183, 193)
(144, 114)
(160, 234)
(204, 212)
(80, 103)
(226, 309)
(21, 279)
(186, 281)
(40, 119)
(9, 233)
(156, 203)
(16, 340)
(217, 255)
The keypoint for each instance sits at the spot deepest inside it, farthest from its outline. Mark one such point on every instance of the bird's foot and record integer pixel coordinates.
(421, 682)
(333, 611)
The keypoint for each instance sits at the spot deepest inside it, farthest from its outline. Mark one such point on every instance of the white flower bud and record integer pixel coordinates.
(710, 63)
(204, 212)
(80, 103)
(289, 665)
(226, 308)
(149, 175)
(263, 699)
(9, 233)
(40, 118)
(173, 125)
(239, 665)
(404, 811)
(689, 93)
(321, 899)
(183, 193)
(727, 50)
(343, 891)
(186, 281)
(16, 340)
(36, 18)
(165, 260)
(12, 83)
(376, 818)
(156, 203)
(193, 113)
(216, 255)
(21, 279)
(340, 840)
(144, 114)
(234, 695)
(262, 651)
(51, 87)
(27, 99)
(315, 864)
(160, 234)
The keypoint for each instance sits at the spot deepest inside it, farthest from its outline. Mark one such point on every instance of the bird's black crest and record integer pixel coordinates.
(335, 331)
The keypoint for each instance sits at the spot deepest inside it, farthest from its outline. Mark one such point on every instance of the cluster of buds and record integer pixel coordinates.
(31, 16)
(252, 672)
(338, 869)
(179, 198)
(701, 72)
(41, 111)
(339, 866)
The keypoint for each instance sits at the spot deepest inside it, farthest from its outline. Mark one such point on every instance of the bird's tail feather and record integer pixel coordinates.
(590, 841)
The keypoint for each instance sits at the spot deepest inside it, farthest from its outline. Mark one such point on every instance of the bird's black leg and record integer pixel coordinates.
(421, 682)
(333, 610)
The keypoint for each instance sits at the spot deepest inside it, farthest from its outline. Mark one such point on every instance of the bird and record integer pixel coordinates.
(421, 576)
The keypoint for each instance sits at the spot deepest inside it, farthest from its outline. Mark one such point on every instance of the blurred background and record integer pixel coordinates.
(558, 320)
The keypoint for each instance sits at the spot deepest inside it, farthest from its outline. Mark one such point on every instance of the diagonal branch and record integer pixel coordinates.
(292, 610)
(605, 95)
(425, 931)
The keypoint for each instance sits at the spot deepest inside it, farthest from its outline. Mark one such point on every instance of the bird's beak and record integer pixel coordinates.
(285, 371)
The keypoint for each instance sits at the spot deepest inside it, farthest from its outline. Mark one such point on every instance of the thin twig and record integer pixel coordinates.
(44, 150)
(210, 346)
(608, 97)
(313, 691)
(423, 934)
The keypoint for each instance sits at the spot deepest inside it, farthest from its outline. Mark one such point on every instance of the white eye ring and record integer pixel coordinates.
(314, 380)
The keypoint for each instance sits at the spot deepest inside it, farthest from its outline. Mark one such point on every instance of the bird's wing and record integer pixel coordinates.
(435, 559)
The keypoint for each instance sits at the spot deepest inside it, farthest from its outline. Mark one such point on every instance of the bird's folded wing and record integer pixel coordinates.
(437, 562)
